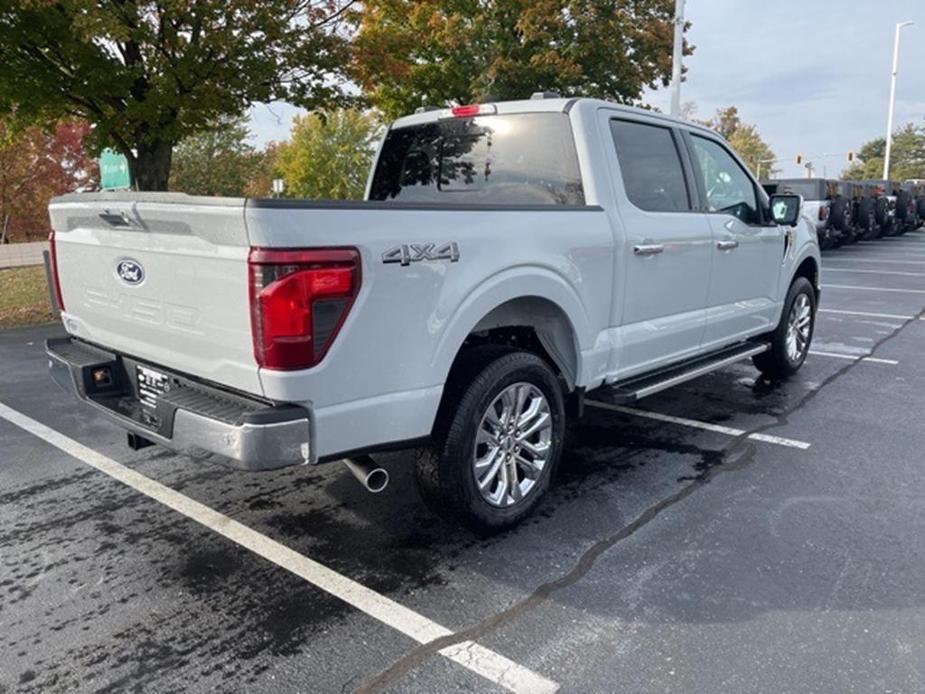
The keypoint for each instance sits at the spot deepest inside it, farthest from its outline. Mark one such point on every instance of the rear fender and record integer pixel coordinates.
(533, 297)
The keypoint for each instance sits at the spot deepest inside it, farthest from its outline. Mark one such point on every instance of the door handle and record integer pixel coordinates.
(727, 245)
(648, 249)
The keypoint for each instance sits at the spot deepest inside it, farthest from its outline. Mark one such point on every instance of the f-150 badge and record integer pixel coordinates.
(417, 252)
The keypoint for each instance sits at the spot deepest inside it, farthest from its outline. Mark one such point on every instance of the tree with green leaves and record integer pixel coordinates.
(149, 73)
(745, 139)
(907, 156)
(408, 53)
(328, 154)
(218, 161)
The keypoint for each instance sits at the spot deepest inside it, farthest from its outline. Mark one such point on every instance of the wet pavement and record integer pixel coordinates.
(668, 556)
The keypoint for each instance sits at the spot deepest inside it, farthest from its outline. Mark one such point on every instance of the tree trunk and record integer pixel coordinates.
(151, 166)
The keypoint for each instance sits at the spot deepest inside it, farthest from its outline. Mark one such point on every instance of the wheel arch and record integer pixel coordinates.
(536, 323)
(511, 307)
(809, 268)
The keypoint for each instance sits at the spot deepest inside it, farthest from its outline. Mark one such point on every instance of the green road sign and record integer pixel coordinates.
(114, 172)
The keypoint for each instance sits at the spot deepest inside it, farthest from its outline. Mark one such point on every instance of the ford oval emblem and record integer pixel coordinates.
(130, 271)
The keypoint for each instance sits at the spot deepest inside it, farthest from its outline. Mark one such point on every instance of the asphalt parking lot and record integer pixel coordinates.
(729, 535)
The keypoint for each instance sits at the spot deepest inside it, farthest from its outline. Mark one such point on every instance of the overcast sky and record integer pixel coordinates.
(813, 75)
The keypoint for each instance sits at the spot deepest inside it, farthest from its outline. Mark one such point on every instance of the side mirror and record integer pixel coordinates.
(785, 209)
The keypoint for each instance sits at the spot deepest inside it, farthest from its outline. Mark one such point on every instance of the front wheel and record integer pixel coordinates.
(791, 339)
(497, 440)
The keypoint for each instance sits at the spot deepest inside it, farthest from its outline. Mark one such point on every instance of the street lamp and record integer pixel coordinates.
(677, 57)
(763, 161)
(889, 122)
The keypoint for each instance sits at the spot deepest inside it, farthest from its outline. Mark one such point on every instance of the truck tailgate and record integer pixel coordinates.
(162, 277)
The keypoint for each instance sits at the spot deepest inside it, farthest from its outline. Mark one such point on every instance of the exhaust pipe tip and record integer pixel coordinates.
(373, 478)
(377, 480)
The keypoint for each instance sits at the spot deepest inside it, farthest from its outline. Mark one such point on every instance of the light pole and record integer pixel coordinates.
(889, 121)
(676, 58)
(763, 161)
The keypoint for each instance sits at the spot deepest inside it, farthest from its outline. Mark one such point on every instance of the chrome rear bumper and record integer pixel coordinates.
(192, 418)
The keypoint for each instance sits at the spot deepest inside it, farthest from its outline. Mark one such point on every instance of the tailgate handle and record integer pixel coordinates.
(116, 220)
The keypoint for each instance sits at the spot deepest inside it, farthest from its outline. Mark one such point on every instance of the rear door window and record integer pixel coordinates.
(519, 159)
(651, 166)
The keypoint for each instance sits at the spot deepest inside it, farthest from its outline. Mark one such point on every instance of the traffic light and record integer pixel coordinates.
(799, 159)
(850, 156)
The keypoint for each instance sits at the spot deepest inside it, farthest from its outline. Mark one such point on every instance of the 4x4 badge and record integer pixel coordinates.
(416, 252)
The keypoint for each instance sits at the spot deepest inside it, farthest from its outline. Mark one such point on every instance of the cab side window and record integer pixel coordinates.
(728, 188)
(651, 167)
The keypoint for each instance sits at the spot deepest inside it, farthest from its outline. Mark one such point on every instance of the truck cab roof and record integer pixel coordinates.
(544, 105)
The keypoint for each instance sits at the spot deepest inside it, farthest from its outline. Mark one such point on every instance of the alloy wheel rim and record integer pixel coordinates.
(512, 444)
(799, 326)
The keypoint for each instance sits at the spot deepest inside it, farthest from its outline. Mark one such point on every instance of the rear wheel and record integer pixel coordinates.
(791, 340)
(497, 440)
(866, 220)
(902, 212)
(841, 215)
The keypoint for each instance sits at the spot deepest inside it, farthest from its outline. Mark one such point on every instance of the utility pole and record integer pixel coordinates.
(764, 161)
(676, 58)
(889, 121)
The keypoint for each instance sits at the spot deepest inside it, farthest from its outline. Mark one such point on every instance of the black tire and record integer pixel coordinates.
(902, 206)
(881, 215)
(854, 228)
(445, 475)
(776, 363)
(840, 214)
(866, 219)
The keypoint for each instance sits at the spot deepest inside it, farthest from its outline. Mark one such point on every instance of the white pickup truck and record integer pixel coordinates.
(509, 258)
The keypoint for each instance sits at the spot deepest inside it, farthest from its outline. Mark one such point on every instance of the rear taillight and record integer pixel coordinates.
(299, 300)
(55, 280)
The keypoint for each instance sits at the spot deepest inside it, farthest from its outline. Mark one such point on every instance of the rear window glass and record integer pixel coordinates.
(651, 166)
(521, 159)
(809, 190)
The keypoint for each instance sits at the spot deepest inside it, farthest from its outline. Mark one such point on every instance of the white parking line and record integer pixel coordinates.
(828, 260)
(828, 269)
(895, 242)
(854, 357)
(695, 424)
(490, 665)
(866, 314)
(874, 289)
(891, 253)
(867, 246)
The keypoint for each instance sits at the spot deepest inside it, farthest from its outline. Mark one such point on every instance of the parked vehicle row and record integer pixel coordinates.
(847, 211)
